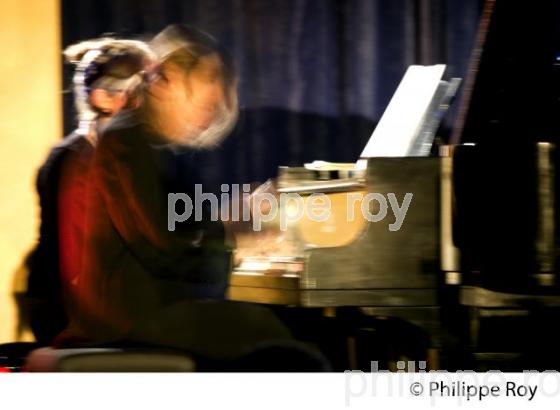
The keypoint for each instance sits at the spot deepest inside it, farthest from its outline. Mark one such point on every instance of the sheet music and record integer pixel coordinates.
(404, 117)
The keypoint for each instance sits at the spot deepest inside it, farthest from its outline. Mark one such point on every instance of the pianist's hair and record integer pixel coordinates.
(106, 63)
(185, 46)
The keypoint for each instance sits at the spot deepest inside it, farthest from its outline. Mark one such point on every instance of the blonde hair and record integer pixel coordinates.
(185, 47)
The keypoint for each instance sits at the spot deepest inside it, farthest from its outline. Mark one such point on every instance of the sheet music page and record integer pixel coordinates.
(405, 113)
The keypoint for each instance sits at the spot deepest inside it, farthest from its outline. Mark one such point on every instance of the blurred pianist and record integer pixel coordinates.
(140, 282)
(107, 70)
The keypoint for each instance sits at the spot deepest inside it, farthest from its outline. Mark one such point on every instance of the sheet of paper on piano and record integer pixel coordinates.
(410, 120)
(403, 118)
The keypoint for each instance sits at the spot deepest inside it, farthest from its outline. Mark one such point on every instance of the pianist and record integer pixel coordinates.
(140, 282)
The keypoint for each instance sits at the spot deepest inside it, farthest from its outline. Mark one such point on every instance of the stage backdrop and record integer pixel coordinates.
(316, 75)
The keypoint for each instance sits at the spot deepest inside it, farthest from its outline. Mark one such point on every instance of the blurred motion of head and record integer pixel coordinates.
(108, 73)
(193, 99)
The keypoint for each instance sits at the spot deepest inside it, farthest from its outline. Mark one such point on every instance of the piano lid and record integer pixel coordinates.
(512, 88)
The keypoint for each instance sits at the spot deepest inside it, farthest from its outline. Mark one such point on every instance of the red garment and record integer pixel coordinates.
(72, 202)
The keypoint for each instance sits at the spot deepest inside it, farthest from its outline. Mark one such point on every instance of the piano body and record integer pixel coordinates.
(378, 249)
(357, 262)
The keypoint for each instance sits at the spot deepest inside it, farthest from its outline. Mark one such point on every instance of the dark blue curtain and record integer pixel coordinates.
(316, 75)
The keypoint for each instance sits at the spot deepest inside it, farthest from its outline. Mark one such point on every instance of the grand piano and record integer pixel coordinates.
(479, 240)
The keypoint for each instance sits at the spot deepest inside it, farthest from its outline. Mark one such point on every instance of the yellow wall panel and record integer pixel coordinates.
(30, 122)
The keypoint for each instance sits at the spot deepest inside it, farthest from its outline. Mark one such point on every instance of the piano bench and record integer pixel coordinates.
(47, 359)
